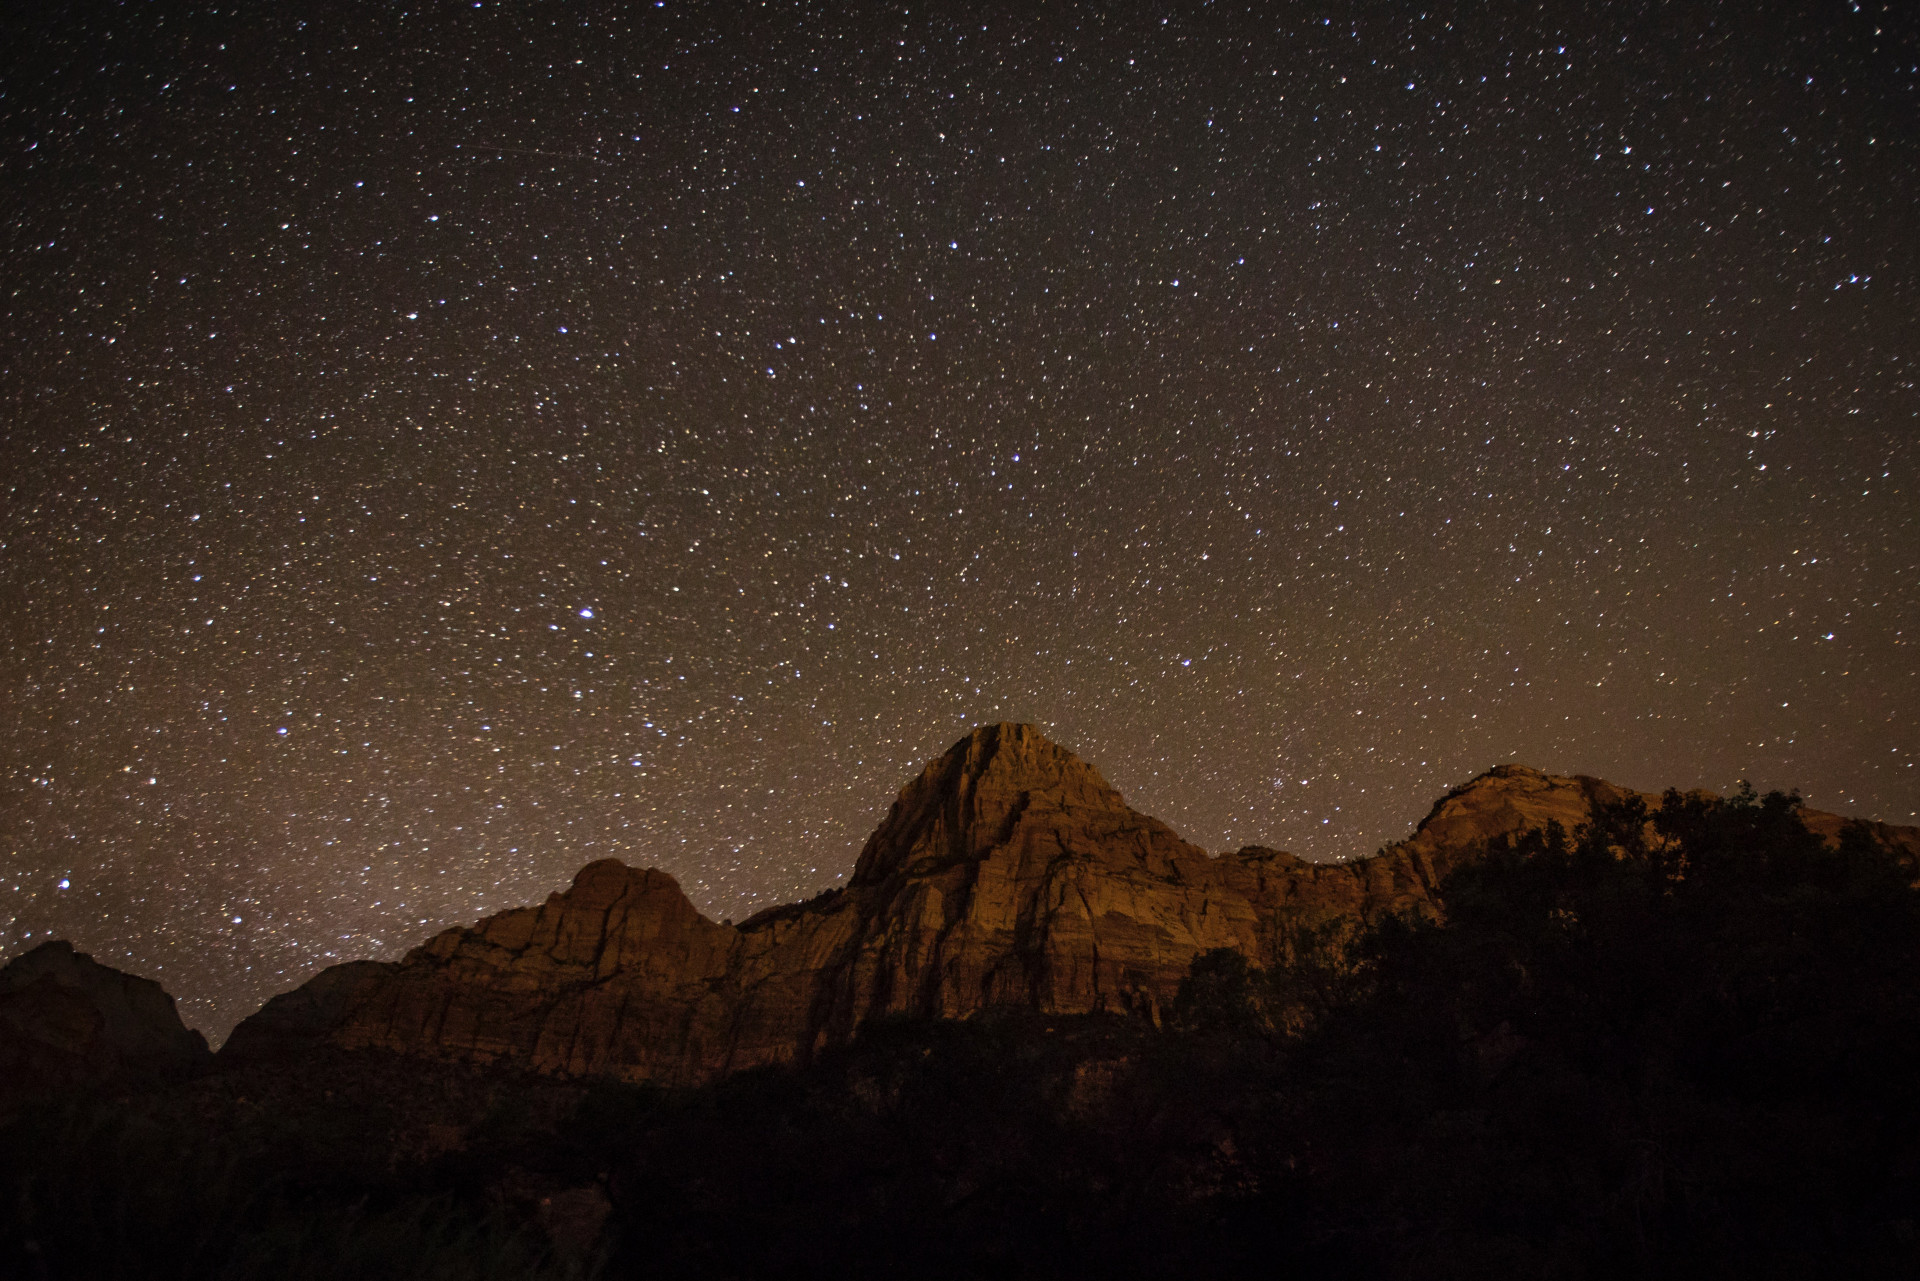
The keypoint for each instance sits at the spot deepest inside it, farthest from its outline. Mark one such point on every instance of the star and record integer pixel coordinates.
(1360, 402)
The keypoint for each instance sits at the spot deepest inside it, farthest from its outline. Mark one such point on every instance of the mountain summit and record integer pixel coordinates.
(967, 803)
(66, 1020)
(1008, 873)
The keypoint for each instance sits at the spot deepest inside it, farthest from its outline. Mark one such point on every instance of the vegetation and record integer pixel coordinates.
(1674, 1043)
(1680, 1044)
(103, 1191)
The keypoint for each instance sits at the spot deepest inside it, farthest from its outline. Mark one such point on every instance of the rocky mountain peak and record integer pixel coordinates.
(966, 802)
(66, 1019)
(1506, 801)
(608, 884)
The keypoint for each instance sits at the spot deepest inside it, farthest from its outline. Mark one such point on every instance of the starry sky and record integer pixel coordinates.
(448, 443)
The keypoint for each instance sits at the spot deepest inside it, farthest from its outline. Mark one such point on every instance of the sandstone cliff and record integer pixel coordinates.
(66, 1020)
(1008, 872)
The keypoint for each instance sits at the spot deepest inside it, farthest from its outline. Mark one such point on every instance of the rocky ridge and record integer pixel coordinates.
(66, 1019)
(1008, 873)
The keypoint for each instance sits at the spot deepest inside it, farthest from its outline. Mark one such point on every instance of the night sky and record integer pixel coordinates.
(446, 444)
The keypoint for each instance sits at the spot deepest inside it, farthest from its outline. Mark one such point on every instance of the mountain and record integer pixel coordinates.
(1680, 1043)
(1009, 873)
(66, 1019)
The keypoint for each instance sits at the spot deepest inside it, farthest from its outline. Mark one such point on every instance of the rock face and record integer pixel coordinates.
(1007, 873)
(66, 1020)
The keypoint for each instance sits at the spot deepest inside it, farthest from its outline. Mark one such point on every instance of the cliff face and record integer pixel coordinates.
(1008, 872)
(67, 1020)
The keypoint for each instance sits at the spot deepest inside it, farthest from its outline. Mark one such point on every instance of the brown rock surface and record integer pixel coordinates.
(67, 1020)
(1008, 872)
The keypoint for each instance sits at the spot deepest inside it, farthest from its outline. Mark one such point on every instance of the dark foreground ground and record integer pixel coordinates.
(1687, 1056)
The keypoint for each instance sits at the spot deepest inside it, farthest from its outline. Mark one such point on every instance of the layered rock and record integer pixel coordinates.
(66, 1020)
(1008, 873)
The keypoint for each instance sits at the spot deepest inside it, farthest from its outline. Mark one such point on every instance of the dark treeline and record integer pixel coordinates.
(1677, 1043)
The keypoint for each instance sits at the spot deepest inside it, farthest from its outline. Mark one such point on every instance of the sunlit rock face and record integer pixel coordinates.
(67, 1020)
(1008, 873)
